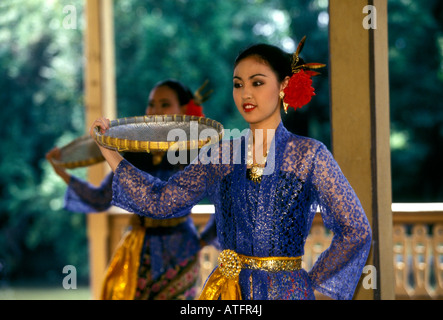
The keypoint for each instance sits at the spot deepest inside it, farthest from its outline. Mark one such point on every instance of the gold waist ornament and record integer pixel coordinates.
(156, 223)
(223, 282)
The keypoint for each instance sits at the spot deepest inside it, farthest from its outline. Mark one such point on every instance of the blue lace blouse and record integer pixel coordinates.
(83, 197)
(169, 254)
(270, 218)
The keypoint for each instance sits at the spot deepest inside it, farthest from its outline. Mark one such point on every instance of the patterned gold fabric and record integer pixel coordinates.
(223, 282)
(121, 277)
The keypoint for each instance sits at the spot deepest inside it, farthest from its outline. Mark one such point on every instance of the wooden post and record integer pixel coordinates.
(360, 123)
(99, 101)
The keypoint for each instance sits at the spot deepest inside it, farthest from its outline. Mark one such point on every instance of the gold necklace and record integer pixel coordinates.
(255, 170)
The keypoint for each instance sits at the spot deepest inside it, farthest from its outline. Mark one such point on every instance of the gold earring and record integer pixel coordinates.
(285, 105)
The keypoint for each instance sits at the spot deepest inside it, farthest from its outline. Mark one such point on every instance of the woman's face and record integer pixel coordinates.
(256, 92)
(163, 100)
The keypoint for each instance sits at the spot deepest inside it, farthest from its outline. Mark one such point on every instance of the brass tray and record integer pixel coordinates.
(81, 152)
(154, 133)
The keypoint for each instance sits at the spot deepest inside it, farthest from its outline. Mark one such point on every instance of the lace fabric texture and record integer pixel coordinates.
(271, 218)
(168, 259)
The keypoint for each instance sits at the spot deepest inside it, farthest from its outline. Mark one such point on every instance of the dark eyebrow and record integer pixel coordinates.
(257, 75)
(253, 76)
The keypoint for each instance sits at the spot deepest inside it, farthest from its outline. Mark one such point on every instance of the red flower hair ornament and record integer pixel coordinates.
(193, 109)
(194, 106)
(299, 90)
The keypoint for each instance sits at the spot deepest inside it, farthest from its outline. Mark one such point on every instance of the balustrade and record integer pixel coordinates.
(417, 247)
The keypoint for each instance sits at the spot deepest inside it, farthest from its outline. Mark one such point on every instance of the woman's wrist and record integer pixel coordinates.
(112, 157)
(65, 176)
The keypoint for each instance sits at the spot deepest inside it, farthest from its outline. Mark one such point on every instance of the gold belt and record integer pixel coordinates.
(223, 282)
(155, 223)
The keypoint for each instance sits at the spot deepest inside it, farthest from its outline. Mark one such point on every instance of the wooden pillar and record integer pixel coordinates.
(99, 101)
(360, 123)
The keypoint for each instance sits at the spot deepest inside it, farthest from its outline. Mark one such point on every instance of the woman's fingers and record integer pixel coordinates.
(112, 157)
(102, 124)
(54, 153)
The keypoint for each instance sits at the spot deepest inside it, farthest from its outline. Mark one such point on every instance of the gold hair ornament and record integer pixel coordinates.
(194, 106)
(299, 90)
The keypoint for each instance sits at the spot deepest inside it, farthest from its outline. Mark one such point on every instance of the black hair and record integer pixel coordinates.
(279, 60)
(184, 94)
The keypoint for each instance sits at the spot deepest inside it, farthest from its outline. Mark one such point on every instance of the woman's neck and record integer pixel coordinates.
(263, 132)
(270, 122)
(260, 142)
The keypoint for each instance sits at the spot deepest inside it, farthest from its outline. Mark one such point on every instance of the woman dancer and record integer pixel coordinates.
(266, 195)
(156, 259)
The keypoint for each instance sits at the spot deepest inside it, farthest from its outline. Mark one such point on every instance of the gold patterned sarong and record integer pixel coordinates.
(121, 277)
(223, 282)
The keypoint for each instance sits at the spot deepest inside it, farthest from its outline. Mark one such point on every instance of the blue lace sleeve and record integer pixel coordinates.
(81, 196)
(338, 269)
(143, 194)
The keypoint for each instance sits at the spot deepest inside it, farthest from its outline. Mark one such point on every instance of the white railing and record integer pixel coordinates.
(417, 246)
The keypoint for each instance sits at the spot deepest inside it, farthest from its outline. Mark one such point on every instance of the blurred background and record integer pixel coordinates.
(42, 103)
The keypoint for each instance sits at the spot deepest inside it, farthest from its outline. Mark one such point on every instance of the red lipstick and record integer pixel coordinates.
(247, 107)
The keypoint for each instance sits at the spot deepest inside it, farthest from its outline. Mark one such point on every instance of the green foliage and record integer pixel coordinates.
(40, 77)
(416, 68)
(197, 40)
